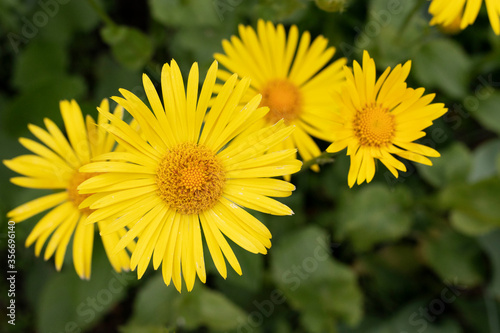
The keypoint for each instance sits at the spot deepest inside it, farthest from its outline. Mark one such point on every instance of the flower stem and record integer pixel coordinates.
(102, 14)
(324, 158)
(410, 15)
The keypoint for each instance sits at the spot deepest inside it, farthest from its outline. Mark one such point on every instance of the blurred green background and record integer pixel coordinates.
(416, 254)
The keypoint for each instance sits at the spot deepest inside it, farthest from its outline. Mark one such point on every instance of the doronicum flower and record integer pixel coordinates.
(292, 78)
(381, 118)
(54, 165)
(445, 12)
(186, 174)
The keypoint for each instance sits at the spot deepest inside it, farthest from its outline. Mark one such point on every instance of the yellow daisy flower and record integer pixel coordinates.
(444, 12)
(381, 118)
(54, 165)
(290, 76)
(186, 174)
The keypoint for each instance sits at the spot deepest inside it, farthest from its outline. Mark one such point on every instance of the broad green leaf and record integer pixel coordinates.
(36, 103)
(475, 207)
(155, 303)
(469, 225)
(453, 166)
(485, 109)
(491, 245)
(312, 281)
(484, 161)
(279, 10)
(144, 329)
(66, 19)
(39, 63)
(158, 304)
(68, 303)
(218, 312)
(130, 47)
(371, 215)
(186, 13)
(443, 64)
(454, 257)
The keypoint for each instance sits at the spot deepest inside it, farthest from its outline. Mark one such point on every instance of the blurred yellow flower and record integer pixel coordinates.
(292, 78)
(445, 12)
(186, 174)
(381, 118)
(54, 165)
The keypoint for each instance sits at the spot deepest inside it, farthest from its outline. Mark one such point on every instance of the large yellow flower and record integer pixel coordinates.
(55, 165)
(381, 118)
(291, 77)
(445, 12)
(187, 174)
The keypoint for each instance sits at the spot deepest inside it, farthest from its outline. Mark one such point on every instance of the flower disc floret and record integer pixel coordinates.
(190, 178)
(374, 126)
(283, 99)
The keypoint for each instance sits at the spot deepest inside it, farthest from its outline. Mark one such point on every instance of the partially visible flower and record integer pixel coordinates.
(444, 12)
(186, 175)
(292, 78)
(381, 118)
(451, 28)
(54, 165)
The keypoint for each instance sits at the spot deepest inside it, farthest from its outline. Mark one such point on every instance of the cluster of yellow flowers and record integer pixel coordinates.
(195, 161)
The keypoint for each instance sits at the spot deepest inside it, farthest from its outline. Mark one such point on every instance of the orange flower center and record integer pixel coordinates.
(73, 194)
(190, 178)
(374, 126)
(283, 99)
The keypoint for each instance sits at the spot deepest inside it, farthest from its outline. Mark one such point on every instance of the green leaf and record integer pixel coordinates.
(469, 225)
(484, 161)
(67, 19)
(185, 13)
(144, 329)
(491, 245)
(155, 303)
(158, 304)
(67, 303)
(454, 257)
(475, 207)
(452, 167)
(313, 283)
(36, 103)
(218, 312)
(130, 47)
(374, 208)
(39, 63)
(111, 77)
(443, 64)
(279, 10)
(485, 110)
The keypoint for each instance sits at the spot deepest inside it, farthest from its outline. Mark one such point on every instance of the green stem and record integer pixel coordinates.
(324, 158)
(102, 14)
(409, 17)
